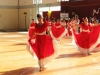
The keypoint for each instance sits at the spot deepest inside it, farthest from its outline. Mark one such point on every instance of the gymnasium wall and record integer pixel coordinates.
(8, 19)
(11, 13)
(9, 2)
(8, 14)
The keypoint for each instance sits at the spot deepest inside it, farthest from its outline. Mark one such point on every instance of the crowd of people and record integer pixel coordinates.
(44, 35)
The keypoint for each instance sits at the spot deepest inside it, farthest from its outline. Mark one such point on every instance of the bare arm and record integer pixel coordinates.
(34, 34)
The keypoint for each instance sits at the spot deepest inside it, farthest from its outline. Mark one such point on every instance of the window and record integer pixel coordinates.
(43, 8)
(61, 0)
(37, 1)
(53, 8)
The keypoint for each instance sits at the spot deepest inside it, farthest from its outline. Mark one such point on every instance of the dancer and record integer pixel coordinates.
(30, 33)
(95, 37)
(77, 20)
(63, 22)
(44, 46)
(81, 40)
(58, 30)
(31, 28)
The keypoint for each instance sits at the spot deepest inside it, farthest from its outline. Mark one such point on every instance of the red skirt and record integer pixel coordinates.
(43, 46)
(58, 33)
(88, 41)
(82, 39)
(94, 41)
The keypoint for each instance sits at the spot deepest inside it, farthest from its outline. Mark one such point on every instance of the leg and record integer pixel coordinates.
(88, 52)
(40, 62)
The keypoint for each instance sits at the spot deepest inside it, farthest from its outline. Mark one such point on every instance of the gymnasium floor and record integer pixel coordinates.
(16, 60)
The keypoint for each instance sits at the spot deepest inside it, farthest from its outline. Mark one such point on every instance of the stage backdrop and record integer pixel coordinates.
(81, 8)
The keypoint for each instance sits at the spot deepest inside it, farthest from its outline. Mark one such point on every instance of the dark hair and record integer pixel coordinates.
(63, 18)
(85, 18)
(72, 18)
(39, 16)
(32, 19)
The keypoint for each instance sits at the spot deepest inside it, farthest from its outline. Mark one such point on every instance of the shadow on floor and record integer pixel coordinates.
(10, 51)
(22, 71)
(18, 44)
(73, 55)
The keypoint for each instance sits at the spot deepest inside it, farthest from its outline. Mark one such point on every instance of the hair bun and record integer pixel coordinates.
(39, 16)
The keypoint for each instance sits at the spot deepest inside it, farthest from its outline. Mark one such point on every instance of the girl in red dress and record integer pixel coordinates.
(95, 37)
(81, 40)
(58, 30)
(43, 46)
(31, 28)
(30, 33)
(89, 38)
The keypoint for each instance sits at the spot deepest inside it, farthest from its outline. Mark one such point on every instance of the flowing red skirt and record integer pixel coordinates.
(82, 39)
(88, 40)
(56, 32)
(94, 40)
(43, 46)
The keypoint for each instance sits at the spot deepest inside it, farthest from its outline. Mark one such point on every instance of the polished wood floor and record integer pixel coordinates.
(16, 60)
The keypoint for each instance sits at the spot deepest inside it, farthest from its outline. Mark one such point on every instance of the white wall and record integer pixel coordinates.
(11, 19)
(9, 2)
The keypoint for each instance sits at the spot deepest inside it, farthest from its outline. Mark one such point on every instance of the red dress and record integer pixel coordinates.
(81, 40)
(57, 31)
(31, 29)
(94, 41)
(30, 33)
(87, 40)
(43, 45)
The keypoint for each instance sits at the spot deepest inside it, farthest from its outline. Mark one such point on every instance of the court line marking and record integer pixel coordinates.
(27, 70)
(95, 60)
